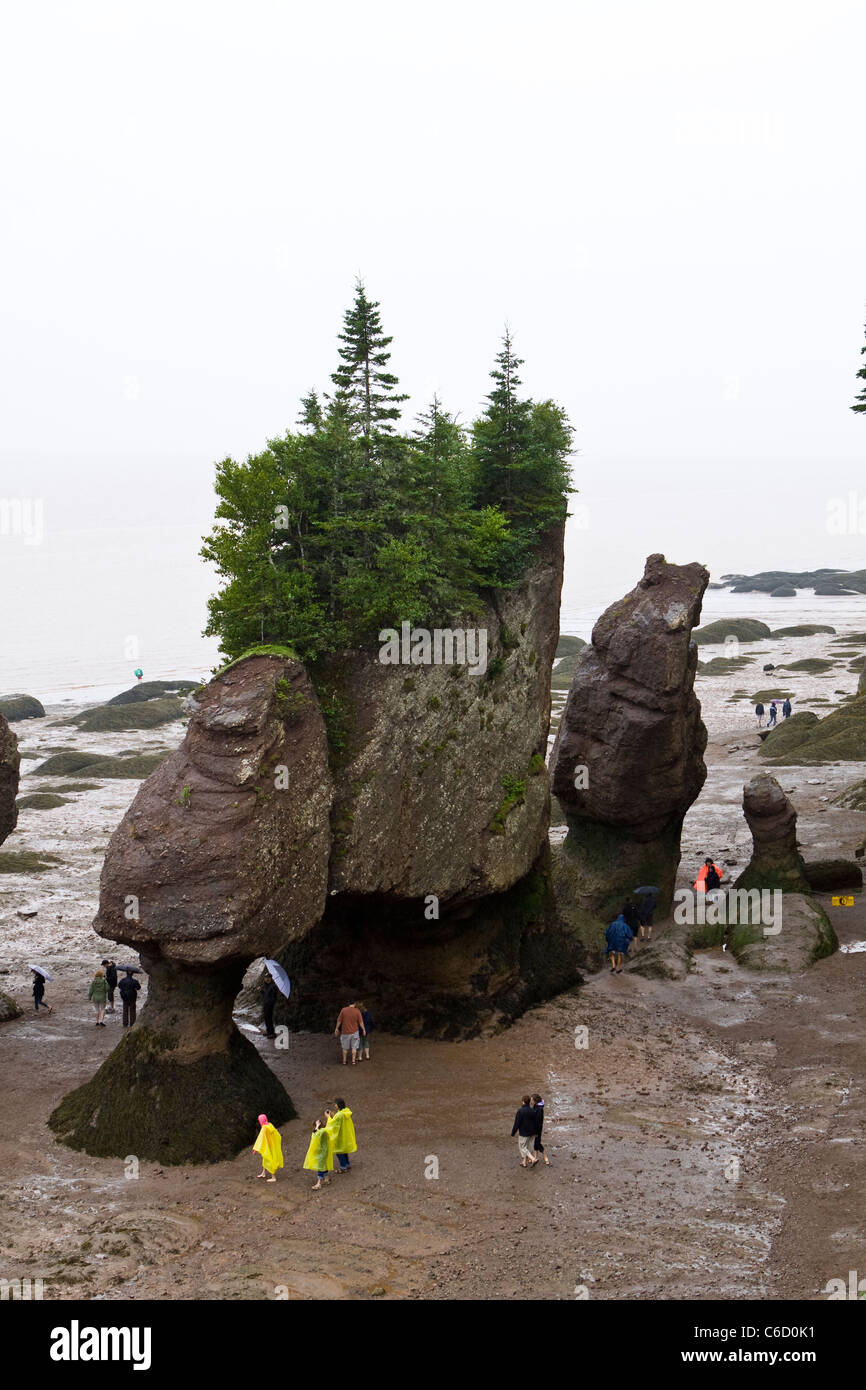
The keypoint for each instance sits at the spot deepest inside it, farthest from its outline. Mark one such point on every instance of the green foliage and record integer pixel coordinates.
(515, 794)
(346, 527)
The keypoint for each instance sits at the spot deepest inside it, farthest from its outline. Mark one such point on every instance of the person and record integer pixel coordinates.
(618, 937)
(367, 1020)
(786, 708)
(320, 1153)
(771, 722)
(269, 1000)
(526, 1127)
(111, 982)
(538, 1106)
(342, 1131)
(98, 995)
(39, 991)
(129, 988)
(138, 673)
(647, 908)
(631, 915)
(759, 711)
(709, 877)
(350, 1027)
(270, 1146)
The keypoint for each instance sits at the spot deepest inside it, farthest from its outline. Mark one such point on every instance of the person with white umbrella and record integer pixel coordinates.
(39, 977)
(277, 981)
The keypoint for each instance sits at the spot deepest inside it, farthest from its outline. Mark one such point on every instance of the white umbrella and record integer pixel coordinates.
(40, 968)
(279, 977)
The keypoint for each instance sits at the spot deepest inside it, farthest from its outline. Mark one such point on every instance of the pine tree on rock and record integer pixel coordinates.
(860, 403)
(502, 435)
(366, 392)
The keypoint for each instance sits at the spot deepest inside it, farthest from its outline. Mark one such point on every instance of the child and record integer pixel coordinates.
(320, 1154)
(342, 1131)
(365, 1036)
(538, 1107)
(270, 1146)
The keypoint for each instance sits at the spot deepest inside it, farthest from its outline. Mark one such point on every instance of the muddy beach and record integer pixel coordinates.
(707, 1142)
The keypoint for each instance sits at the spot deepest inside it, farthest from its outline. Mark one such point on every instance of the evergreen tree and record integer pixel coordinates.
(860, 402)
(366, 392)
(502, 434)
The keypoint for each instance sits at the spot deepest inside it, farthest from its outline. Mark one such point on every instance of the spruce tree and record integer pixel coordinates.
(860, 403)
(366, 393)
(502, 435)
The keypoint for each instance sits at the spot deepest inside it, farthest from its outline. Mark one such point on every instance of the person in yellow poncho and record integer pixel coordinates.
(320, 1154)
(342, 1132)
(270, 1146)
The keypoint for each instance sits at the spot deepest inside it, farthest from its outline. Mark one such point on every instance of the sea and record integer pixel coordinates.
(81, 610)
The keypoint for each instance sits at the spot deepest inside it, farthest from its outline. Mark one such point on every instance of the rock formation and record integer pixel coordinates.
(221, 858)
(18, 707)
(776, 862)
(628, 758)
(10, 761)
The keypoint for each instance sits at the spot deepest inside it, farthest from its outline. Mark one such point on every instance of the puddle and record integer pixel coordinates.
(853, 946)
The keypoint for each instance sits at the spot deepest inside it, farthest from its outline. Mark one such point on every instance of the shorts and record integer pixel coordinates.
(526, 1145)
(350, 1040)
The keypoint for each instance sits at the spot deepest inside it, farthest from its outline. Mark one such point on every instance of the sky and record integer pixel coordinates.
(665, 202)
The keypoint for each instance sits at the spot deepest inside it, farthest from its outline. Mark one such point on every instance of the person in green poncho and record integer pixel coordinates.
(320, 1154)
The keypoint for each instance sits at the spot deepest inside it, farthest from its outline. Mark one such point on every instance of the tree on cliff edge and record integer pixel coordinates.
(366, 393)
(860, 403)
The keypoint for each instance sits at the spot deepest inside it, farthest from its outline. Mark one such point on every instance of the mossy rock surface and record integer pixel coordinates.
(86, 765)
(812, 665)
(744, 629)
(18, 707)
(783, 591)
(764, 697)
(148, 714)
(723, 665)
(802, 630)
(839, 737)
(830, 875)
(26, 861)
(806, 935)
(851, 639)
(197, 1112)
(153, 690)
(853, 798)
(568, 646)
(41, 801)
(8, 1008)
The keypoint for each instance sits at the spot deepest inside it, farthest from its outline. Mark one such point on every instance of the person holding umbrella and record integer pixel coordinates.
(111, 981)
(129, 988)
(39, 978)
(646, 907)
(277, 982)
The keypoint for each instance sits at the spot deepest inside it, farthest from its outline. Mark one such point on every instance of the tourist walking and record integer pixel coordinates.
(129, 988)
(269, 1146)
(771, 721)
(367, 1020)
(646, 910)
(320, 1153)
(759, 711)
(538, 1106)
(526, 1127)
(98, 996)
(39, 991)
(269, 1000)
(631, 914)
(342, 1132)
(618, 937)
(786, 708)
(111, 981)
(350, 1028)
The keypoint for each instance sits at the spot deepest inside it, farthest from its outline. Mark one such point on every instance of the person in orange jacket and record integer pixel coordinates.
(709, 877)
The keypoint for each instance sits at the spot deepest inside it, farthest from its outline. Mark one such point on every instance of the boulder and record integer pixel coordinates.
(744, 629)
(802, 630)
(222, 857)
(18, 707)
(147, 714)
(806, 935)
(10, 761)
(833, 875)
(776, 862)
(154, 690)
(8, 1008)
(839, 736)
(633, 723)
(783, 591)
(72, 764)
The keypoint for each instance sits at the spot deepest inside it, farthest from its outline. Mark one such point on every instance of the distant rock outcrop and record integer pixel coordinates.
(838, 737)
(776, 862)
(10, 761)
(628, 758)
(18, 707)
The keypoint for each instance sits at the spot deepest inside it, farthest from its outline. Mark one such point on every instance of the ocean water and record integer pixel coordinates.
(83, 608)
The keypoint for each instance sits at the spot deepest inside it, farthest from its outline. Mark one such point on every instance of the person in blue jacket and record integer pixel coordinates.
(618, 937)
(368, 1024)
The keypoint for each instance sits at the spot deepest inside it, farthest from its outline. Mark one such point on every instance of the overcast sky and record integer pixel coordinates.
(664, 200)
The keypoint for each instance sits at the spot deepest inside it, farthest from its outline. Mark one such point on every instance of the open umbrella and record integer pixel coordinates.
(131, 969)
(279, 977)
(647, 888)
(41, 968)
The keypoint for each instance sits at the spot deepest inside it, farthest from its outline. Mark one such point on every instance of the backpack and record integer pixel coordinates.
(712, 879)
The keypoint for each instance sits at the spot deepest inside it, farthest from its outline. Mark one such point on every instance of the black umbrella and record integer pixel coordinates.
(647, 888)
(131, 969)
